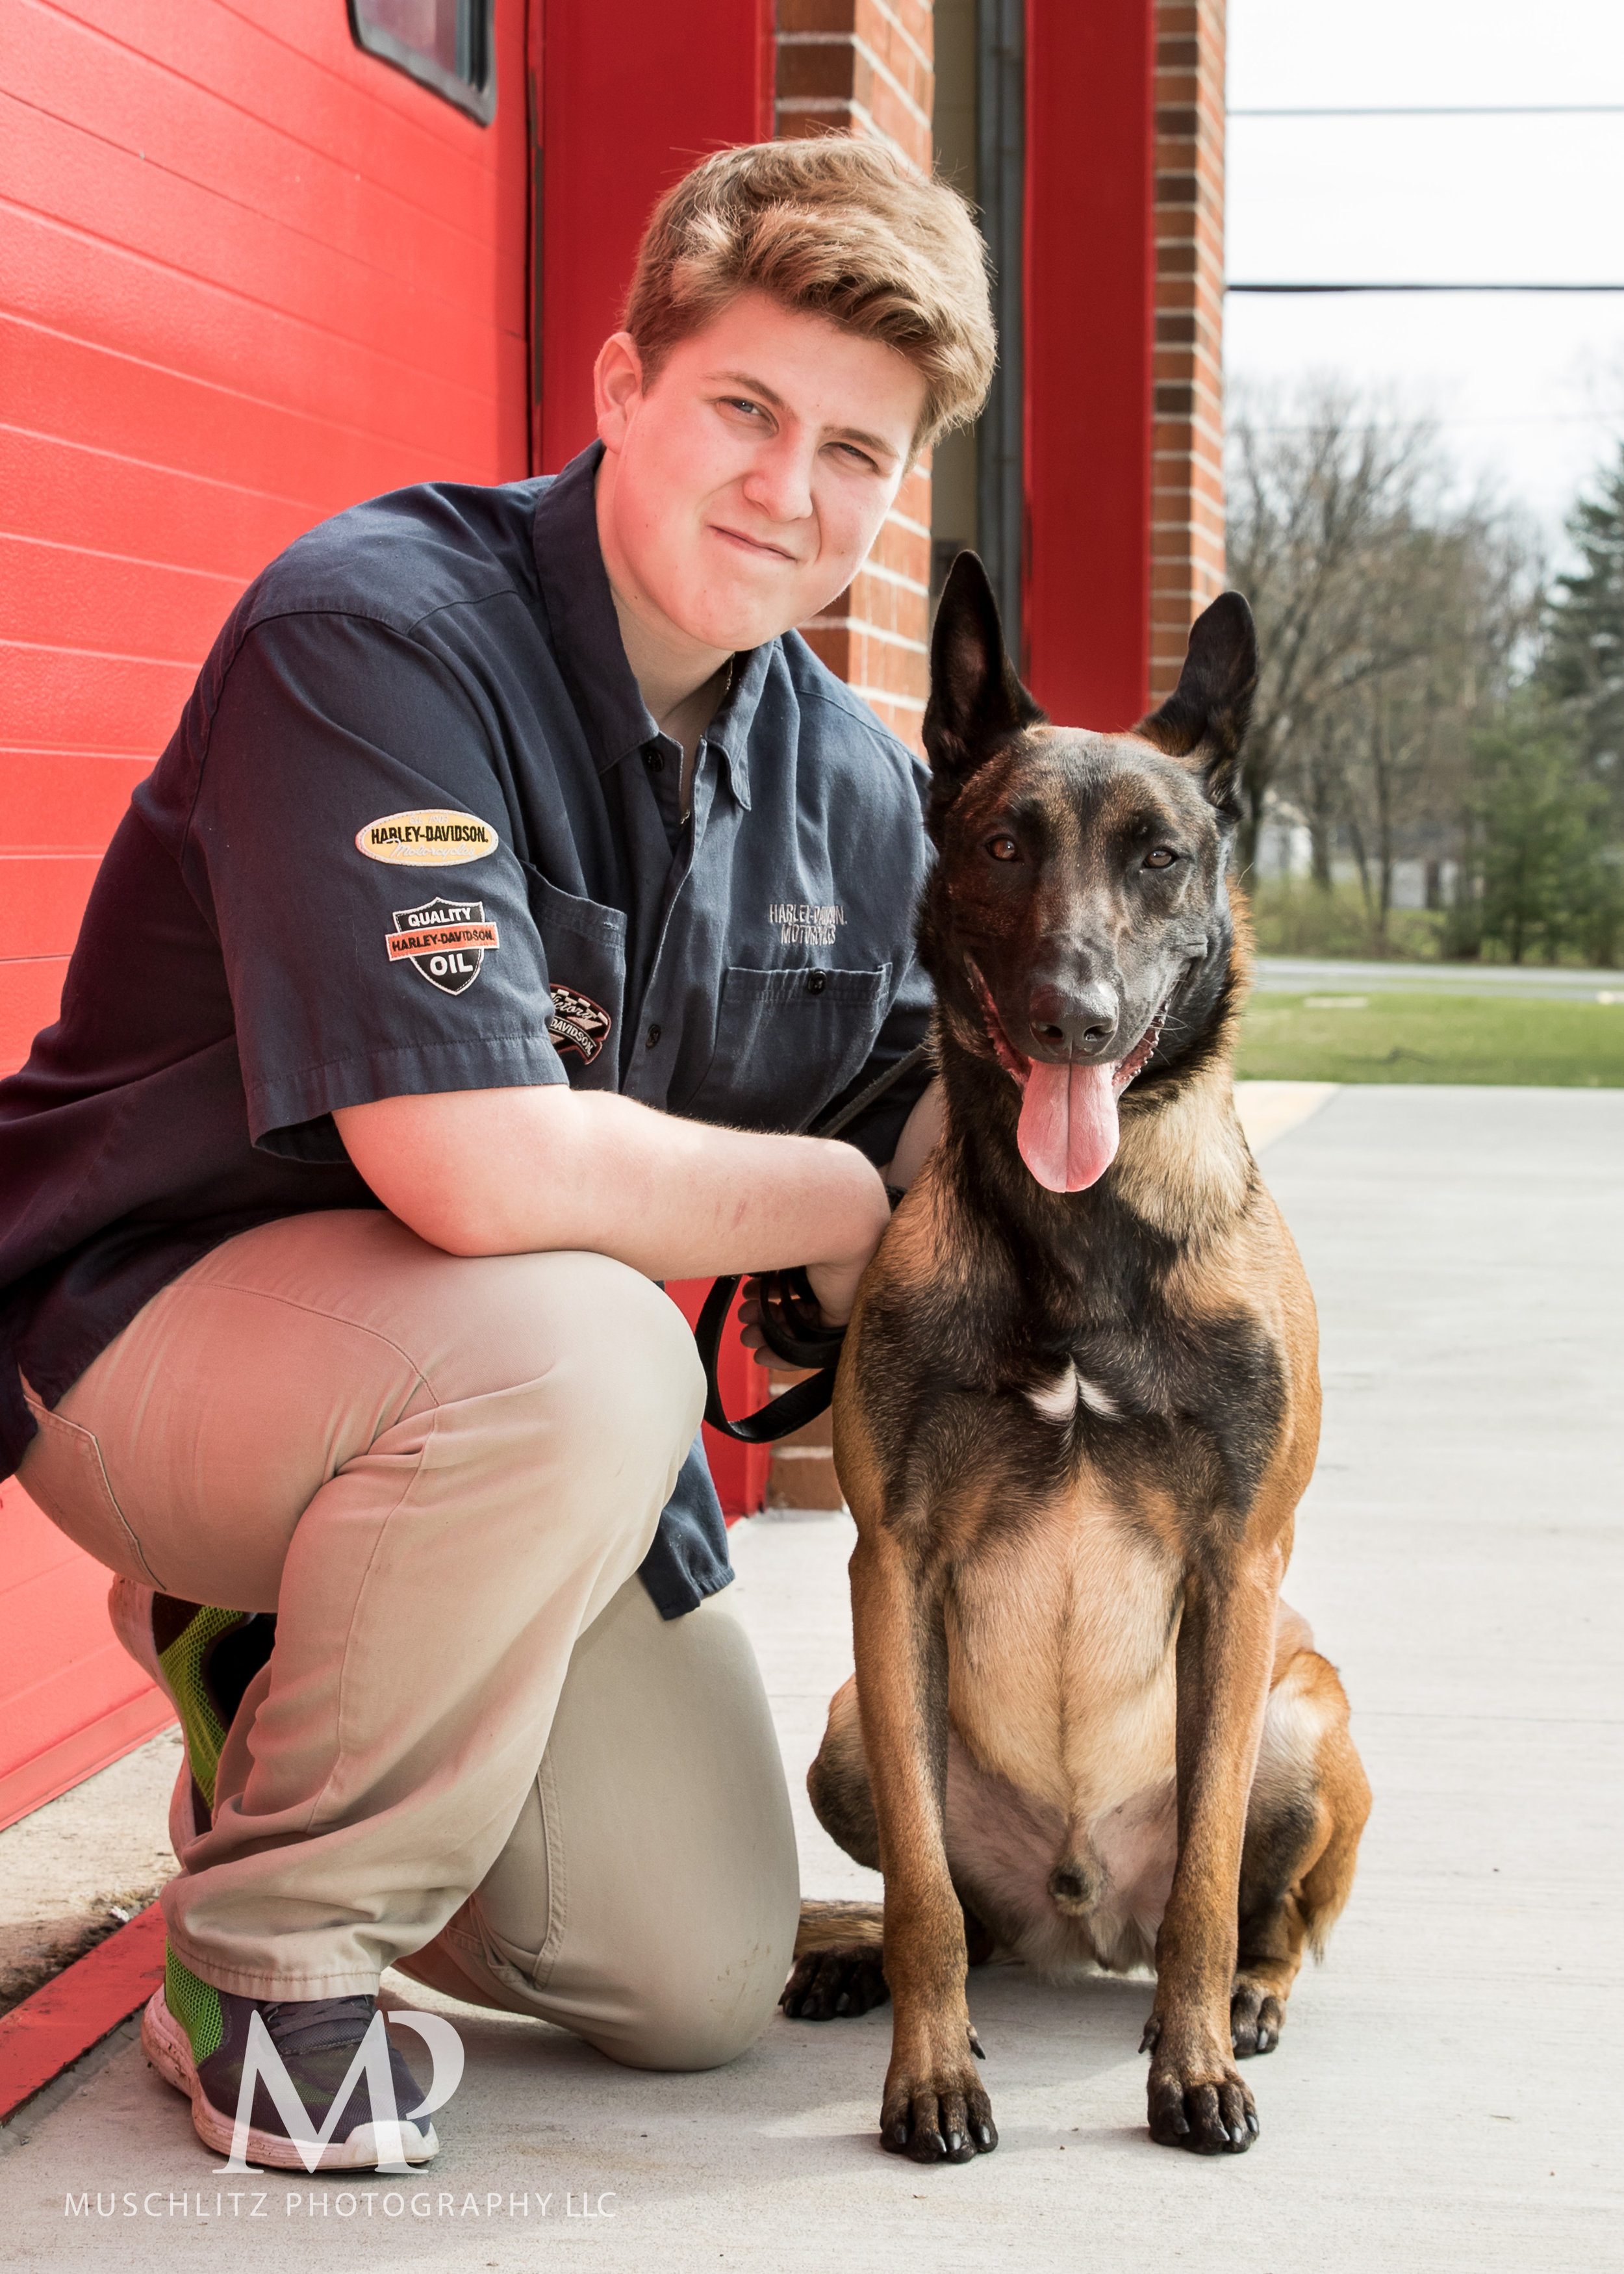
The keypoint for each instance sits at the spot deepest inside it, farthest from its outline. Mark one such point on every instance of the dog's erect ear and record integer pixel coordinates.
(1204, 720)
(977, 700)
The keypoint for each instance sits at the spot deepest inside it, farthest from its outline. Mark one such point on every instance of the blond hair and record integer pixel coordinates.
(833, 226)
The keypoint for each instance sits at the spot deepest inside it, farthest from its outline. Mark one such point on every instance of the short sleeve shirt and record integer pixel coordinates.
(417, 832)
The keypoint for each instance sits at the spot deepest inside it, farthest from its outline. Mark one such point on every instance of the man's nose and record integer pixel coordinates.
(1080, 1020)
(780, 482)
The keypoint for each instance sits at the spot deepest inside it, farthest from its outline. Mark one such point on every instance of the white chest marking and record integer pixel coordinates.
(1058, 1402)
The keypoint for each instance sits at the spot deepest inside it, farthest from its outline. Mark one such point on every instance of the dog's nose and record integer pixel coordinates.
(1080, 1020)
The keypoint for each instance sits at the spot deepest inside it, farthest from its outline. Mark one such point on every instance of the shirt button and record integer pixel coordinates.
(650, 1038)
(817, 981)
(656, 761)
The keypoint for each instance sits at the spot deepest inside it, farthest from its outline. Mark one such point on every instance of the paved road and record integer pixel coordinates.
(1442, 2100)
(1290, 975)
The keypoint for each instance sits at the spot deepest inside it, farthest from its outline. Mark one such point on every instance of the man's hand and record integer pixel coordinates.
(507, 1171)
(836, 1291)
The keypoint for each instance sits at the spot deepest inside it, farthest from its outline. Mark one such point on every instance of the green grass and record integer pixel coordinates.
(1432, 1038)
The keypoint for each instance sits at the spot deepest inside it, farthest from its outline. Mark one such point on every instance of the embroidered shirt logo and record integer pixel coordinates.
(577, 1023)
(432, 838)
(444, 940)
(800, 925)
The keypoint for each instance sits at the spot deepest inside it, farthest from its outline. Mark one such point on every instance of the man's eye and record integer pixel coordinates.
(740, 402)
(1004, 847)
(1164, 858)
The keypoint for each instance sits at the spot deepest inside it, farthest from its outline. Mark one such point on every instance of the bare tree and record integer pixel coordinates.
(1315, 498)
(1388, 618)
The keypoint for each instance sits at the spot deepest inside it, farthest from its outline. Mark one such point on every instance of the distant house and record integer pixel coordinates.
(260, 264)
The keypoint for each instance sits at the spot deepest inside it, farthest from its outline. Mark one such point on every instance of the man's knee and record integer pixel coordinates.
(703, 2014)
(629, 1358)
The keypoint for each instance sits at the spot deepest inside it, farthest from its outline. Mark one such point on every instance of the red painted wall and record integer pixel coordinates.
(1090, 321)
(247, 276)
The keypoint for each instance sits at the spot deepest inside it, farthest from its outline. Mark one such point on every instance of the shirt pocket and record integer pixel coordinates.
(787, 1041)
(584, 942)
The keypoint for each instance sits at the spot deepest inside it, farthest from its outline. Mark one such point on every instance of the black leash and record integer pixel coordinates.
(792, 1325)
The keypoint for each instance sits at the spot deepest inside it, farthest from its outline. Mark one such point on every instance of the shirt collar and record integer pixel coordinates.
(586, 635)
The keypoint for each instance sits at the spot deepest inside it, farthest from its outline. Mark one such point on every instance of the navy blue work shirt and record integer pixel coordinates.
(417, 830)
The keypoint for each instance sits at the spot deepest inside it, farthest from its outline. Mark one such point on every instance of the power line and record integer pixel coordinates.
(1423, 288)
(1440, 110)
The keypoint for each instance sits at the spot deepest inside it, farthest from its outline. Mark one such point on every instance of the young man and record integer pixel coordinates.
(514, 879)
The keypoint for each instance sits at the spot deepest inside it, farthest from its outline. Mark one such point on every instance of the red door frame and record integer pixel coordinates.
(608, 87)
(1089, 296)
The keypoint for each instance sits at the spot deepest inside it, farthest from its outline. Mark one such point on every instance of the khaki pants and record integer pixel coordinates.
(476, 1746)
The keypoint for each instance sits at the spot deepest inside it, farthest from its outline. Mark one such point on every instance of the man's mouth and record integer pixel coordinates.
(759, 545)
(1069, 1127)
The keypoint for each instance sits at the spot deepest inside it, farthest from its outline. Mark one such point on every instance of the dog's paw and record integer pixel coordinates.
(825, 1983)
(1197, 2099)
(1256, 2019)
(938, 2113)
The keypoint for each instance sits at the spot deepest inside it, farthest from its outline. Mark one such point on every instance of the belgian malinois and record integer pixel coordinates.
(1077, 1405)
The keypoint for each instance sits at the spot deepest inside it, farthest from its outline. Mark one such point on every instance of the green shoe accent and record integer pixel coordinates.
(195, 2005)
(183, 1670)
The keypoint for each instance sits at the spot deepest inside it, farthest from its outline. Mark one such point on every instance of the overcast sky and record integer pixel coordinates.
(1528, 389)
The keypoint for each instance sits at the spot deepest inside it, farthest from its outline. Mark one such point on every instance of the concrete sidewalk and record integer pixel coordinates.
(1296, 974)
(1442, 2098)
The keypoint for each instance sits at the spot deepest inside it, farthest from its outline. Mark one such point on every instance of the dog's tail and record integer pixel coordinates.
(839, 1926)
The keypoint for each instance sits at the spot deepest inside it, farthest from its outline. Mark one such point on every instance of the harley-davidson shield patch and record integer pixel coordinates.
(446, 941)
(577, 1023)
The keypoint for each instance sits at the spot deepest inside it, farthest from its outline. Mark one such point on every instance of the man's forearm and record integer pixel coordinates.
(503, 1171)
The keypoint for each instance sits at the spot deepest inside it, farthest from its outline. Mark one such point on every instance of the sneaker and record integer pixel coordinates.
(196, 2037)
(203, 1659)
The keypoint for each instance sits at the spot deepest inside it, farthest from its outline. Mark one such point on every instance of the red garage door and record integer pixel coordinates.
(250, 275)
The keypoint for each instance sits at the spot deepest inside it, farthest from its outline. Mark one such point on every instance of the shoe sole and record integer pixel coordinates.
(168, 2048)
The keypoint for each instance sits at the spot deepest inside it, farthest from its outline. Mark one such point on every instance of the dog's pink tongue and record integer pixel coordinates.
(1067, 1125)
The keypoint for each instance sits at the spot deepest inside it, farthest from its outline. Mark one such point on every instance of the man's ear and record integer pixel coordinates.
(1204, 717)
(977, 700)
(617, 383)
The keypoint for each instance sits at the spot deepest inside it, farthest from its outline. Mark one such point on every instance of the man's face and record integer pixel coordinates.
(743, 489)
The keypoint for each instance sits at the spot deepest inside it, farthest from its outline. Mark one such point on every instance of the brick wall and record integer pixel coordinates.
(865, 67)
(1186, 554)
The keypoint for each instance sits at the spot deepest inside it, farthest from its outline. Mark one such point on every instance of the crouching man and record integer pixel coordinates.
(515, 879)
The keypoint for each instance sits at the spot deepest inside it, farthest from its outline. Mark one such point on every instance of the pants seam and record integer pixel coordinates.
(89, 1446)
(333, 1318)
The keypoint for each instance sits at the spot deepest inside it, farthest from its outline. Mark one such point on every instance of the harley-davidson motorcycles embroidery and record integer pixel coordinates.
(446, 941)
(577, 1023)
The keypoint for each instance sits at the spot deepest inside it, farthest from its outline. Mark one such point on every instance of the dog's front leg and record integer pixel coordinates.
(1225, 1650)
(934, 2105)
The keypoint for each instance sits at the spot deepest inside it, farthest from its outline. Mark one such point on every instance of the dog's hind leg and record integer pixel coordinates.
(1308, 1806)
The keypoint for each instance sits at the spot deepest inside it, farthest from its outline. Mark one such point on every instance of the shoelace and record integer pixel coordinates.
(314, 2025)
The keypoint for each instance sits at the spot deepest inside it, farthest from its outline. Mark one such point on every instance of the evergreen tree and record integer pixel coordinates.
(1549, 882)
(1582, 664)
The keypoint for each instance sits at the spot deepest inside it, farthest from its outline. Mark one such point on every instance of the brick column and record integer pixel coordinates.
(863, 67)
(1186, 551)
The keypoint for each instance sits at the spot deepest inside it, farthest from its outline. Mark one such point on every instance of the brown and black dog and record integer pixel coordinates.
(1077, 1406)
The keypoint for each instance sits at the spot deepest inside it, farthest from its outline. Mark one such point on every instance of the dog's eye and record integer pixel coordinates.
(1164, 858)
(1004, 847)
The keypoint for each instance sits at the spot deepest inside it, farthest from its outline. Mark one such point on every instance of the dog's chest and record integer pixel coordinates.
(1061, 1634)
